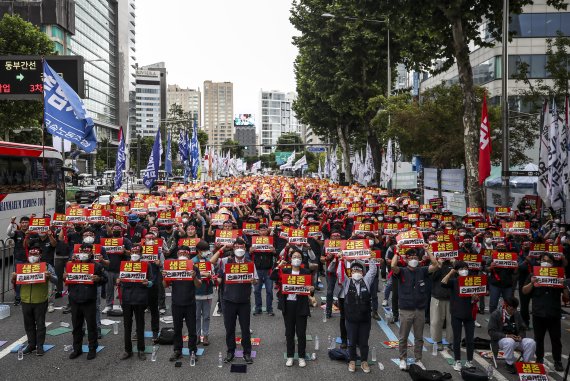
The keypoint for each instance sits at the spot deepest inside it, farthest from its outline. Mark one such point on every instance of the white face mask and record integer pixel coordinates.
(183, 257)
(488, 241)
(462, 234)
(397, 220)
(545, 264)
(205, 254)
(135, 257)
(296, 262)
(371, 242)
(83, 256)
(33, 258)
(433, 224)
(556, 221)
(184, 220)
(413, 263)
(88, 239)
(380, 218)
(356, 276)
(239, 252)
(463, 272)
(149, 242)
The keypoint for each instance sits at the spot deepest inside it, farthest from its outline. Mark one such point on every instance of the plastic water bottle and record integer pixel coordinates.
(67, 348)
(329, 342)
(373, 354)
(154, 352)
(324, 316)
(380, 365)
(490, 372)
(317, 343)
(220, 360)
(389, 316)
(192, 359)
(434, 349)
(115, 328)
(21, 353)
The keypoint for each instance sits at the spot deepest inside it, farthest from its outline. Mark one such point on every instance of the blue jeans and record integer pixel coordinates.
(388, 289)
(331, 281)
(263, 280)
(494, 295)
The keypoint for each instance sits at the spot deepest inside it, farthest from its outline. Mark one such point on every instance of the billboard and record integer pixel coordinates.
(244, 120)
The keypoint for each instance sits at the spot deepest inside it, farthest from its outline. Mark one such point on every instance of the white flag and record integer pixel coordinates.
(565, 143)
(368, 174)
(289, 163)
(542, 186)
(300, 163)
(555, 175)
(334, 166)
(388, 165)
(327, 170)
(255, 166)
(320, 171)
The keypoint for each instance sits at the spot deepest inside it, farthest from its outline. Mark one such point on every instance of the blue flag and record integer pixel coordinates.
(194, 152)
(183, 146)
(121, 160)
(168, 158)
(64, 112)
(154, 162)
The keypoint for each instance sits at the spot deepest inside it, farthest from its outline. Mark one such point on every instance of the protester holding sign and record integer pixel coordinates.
(116, 249)
(135, 280)
(461, 313)
(412, 301)
(83, 276)
(502, 275)
(18, 233)
(508, 332)
(264, 262)
(33, 277)
(237, 274)
(546, 313)
(294, 304)
(205, 293)
(184, 277)
(357, 311)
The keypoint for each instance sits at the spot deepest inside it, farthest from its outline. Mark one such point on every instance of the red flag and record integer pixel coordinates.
(484, 144)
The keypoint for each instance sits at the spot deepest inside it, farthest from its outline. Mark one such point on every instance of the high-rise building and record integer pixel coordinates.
(148, 102)
(218, 111)
(277, 117)
(160, 67)
(245, 134)
(189, 99)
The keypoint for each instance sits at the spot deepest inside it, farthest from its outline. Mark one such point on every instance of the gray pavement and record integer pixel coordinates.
(269, 363)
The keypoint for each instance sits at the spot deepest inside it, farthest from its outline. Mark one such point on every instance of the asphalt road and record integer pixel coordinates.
(269, 363)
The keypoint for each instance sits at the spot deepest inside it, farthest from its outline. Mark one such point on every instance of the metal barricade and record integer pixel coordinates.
(8, 265)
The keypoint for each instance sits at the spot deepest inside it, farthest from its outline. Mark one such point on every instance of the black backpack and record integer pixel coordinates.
(338, 354)
(166, 336)
(478, 343)
(474, 374)
(418, 374)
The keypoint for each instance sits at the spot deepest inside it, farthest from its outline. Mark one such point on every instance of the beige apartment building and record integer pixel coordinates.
(189, 99)
(218, 111)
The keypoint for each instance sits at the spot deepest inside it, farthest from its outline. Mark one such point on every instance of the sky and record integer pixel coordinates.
(247, 42)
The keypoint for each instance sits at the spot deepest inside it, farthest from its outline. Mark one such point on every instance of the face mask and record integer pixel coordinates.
(463, 272)
(462, 234)
(371, 242)
(545, 264)
(296, 262)
(413, 263)
(380, 218)
(83, 256)
(557, 221)
(33, 258)
(205, 254)
(117, 233)
(88, 239)
(397, 220)
(183, 257)
(239, 252)
(184, 220)
(433, 224)
(78, 228)
(149, 242)
(488, 241)
(356, 276)
(135, 257)
(133, 224)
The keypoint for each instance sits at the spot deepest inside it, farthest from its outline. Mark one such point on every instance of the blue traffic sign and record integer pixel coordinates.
(316, 149)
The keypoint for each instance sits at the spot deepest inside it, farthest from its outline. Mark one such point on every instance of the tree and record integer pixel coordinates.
(234, 147)
(340, 67)
(440, 32)
(19, 37)
(290, 141)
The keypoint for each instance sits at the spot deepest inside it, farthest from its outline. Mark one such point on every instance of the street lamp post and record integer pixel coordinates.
(505, 105)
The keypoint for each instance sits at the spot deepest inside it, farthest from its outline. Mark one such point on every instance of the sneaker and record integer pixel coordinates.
(477, 324)
(271, 313)
(440, 347)
(107, 309)
(385, 303)
(457, 366)
(92, 354)
(257, 313)
(134, 337)
(468, 364)
(175, 356)
(162, 311)
(352, 366)
(67, 309)
(420, 364)
(375, 315)
(403, 365)
(40, 351)
(329, 315)
(50, 308)
(302, 363)
(558, 366)
(29, 349)
(289, 361)
(126, 355)
(74, 355)
(57, 295)
(141, 356)
(229, 357)
(511, 368)
(17, 302)
(205, 341)
(247, 358)
(365, 367)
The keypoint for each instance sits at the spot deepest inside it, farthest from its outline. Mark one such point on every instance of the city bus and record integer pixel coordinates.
(31, 182)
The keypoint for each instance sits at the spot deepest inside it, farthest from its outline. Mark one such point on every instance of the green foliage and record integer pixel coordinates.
(19, 37)
(286, 139)
(234, 147)
(268, 161)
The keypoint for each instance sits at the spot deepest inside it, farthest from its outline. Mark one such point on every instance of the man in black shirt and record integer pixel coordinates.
(18, 234)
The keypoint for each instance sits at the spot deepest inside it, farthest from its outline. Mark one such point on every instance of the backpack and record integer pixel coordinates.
(114, 312)
(474, 374)
(478, 342)
(338, 354)
(166, 336)
(418, 374)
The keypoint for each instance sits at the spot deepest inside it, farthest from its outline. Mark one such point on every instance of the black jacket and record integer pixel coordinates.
(498, 328)
(184, 291)
(437, 291)
(302, 301)
(545, 301)
(136, 293)
(83, 293)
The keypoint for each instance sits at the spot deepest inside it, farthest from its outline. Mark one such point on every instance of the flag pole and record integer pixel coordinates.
(44, 146)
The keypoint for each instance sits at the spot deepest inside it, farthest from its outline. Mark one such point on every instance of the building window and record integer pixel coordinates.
(540, 24)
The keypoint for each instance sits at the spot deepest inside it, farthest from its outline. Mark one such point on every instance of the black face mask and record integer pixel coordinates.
(97, 226)
(133, 224)
(78, 229)
(117, 234)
